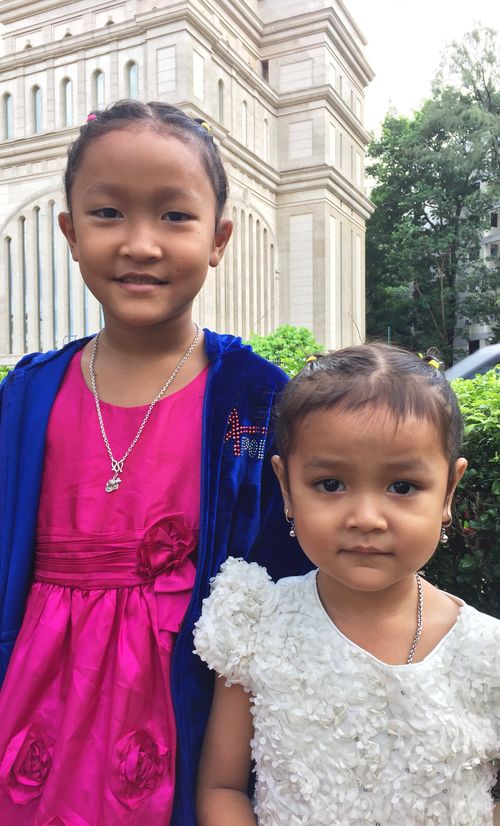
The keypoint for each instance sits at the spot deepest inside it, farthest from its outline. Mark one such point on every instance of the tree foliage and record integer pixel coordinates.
(287, 346)
(437, 176)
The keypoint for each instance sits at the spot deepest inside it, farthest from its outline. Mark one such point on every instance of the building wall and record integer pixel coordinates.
(283, 87)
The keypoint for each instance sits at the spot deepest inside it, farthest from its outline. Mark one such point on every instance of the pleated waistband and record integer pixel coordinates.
(92, 567)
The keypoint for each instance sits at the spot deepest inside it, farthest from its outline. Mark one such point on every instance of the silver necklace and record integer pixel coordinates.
(117, 464)
(420, 609)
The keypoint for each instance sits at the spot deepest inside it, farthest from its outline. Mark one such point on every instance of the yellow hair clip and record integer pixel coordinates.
(205, 125)
(311, 358)
(429, 359)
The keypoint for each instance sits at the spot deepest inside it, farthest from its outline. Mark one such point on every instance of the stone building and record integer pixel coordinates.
(282, 83)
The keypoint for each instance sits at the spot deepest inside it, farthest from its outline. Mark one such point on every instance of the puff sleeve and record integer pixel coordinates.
(226, 634)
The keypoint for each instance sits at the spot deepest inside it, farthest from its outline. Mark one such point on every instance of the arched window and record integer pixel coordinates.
(132, 79)
(8, 117)
(67, 102)
(53, 271)
(36, 108)
(98, 90)
(38, 242)
(221, 101)
(10, 290)
(23, 232)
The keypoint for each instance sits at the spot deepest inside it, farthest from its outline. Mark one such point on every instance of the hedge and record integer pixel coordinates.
(469, 566)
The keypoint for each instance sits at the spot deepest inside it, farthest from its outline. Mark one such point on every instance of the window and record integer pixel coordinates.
(98, 90)
(10, 291)
(494, 219)
(265, 70)
(244, 122)
(198, 76)
(8, 117)
(67, 102)
(36, 108)
(132, 80)
(221, 101)
(493, 250)
(53, 270)
(38, 239)
(23, 231)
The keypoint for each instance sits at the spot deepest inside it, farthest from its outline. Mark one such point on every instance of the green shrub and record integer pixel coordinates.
(3, 371)
(287, 346)
(469, 566)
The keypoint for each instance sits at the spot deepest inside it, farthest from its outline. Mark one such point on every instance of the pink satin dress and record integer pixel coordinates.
(87, 731)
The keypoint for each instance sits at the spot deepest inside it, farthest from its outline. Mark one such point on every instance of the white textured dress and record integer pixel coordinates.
(341, 738)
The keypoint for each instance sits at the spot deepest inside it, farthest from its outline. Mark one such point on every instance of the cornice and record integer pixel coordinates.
(320, 22)
(244, 16)
(322, 94)
(230, 56)
(250, 163)
(12, 10)
(326, 177)
(39, 147)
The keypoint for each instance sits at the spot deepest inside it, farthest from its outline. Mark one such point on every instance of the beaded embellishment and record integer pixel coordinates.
(241, 436)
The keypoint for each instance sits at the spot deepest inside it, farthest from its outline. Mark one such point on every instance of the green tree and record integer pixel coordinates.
(287, 346)
(436, 177)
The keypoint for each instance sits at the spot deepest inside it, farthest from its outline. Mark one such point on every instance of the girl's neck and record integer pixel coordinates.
(347, 604)
(147, 343)
(384, 623)
(131, 365)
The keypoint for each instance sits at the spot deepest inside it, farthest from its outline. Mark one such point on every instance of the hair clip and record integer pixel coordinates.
(311, 358)
(92, 116)
(204, 124)
(429, 358)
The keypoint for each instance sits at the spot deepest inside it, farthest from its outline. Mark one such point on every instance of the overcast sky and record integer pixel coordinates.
(405, 41)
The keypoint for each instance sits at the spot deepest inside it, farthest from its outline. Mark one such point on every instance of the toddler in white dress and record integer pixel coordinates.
(364, 695)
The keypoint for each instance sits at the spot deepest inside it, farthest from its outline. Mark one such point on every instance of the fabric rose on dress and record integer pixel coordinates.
(139, 767)
(166, 544)
(26, 764)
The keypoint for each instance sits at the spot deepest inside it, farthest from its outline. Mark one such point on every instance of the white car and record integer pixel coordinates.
(482, 360)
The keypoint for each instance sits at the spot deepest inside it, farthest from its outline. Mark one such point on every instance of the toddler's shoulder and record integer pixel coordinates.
(242, 597)
(478, 646)
(482, 627)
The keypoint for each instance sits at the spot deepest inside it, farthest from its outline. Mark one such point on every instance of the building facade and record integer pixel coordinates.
(282, 83)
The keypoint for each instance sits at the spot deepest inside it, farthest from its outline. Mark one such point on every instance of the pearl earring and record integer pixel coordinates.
(444, 536)
(290, 521)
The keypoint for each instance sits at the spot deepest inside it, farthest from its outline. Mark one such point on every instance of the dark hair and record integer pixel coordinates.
(160, 116)
(366, 374)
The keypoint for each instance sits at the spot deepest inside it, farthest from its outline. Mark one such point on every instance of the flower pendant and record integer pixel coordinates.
(112, 484)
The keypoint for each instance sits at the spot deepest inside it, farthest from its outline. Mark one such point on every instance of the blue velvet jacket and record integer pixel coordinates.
(241, 509)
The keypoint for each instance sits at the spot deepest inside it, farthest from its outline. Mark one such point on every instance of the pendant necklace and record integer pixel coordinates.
(420, 610)
(117, 464)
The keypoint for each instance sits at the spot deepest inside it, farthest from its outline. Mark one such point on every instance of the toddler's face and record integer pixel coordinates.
(142, 225)
(368, 498)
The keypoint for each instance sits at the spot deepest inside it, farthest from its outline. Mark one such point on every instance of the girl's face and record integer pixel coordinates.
(143, 225)
(368, 498)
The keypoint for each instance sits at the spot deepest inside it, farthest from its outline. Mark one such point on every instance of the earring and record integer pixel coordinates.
(291, 523)
(444, 536)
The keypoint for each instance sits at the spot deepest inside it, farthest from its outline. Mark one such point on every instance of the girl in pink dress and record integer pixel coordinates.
(140, 455)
